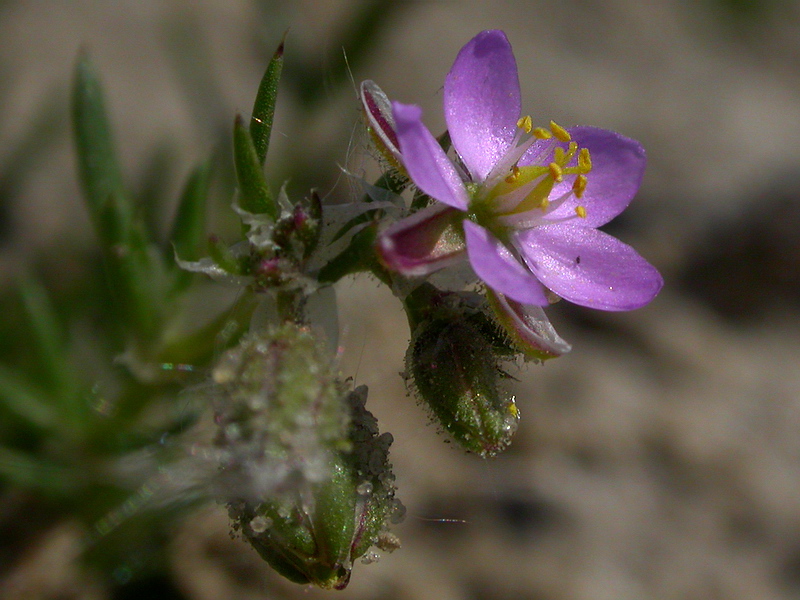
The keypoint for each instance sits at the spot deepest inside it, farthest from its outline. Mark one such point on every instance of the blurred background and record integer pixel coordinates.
(660, 459)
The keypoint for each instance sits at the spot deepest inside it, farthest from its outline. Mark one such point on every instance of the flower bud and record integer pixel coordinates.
(453, 365)
(305, 471)
(313, 533)
(380, 122)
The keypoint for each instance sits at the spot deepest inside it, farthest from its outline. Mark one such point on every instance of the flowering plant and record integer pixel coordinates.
(299, 461)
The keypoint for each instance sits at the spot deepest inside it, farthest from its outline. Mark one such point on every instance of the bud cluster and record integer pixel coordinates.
(306, 475)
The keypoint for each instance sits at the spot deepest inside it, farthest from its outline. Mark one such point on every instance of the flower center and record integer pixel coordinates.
(514, 196)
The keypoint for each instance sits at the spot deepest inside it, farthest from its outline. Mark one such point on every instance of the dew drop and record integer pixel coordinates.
(260, 524)
(364, 488)
(370, 557)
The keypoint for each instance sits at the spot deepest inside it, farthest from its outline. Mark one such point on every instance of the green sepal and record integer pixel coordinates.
(310, 544)
(315, 534)
(264, 106)
(254, 193)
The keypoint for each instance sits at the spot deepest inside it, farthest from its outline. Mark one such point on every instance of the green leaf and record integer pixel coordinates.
(188, 238)
(254, 193)
(18, 397)
(188, 229)
(264, 107)
(135, 276)
(98, 168)
(48, 337)
(26, 471)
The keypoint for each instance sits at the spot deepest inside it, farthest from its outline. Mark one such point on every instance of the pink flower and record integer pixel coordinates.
(523, 204)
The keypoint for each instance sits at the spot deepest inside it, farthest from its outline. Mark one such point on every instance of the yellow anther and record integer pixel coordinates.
(558, 155)
(580, 211)
(558, 131)
(580, 185)
(514, 175)
(525, 123)
(513, 411)
(573, 148)
(584, 160)
(556, 172)
(542, 133)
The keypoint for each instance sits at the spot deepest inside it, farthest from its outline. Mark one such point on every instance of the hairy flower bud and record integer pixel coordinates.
(312, 534)
(277, 403)
(306, 475)
(453, 366)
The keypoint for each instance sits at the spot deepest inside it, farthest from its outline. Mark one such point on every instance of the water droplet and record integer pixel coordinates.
(364, 488)
(260, 524)
(370, 557)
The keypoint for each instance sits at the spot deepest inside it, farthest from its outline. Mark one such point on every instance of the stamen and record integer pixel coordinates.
(573, 148)
(580, 211)
(542, 133)
(580, 185)
(558, 155)
(558, 131)
(556, 172)
(525, 123)
(584, 160)
(505, 164)
(527, 197)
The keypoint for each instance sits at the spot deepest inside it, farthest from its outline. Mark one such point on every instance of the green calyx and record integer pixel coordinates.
(453, 366)
(280, 408)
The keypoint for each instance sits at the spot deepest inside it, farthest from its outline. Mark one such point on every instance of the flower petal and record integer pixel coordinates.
(482, 101)
(529, 327)
(426, 162)
(618, 164)
(589, 267)
(422, 243)
(499, 268)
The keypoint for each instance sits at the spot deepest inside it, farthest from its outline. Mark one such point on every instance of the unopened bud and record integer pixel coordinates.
(453, 365)
(314, 533)
(380, 122)
(278, 409)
